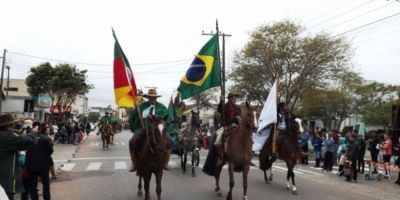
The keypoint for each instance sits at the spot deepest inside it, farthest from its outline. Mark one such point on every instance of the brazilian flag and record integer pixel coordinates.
(204, 72)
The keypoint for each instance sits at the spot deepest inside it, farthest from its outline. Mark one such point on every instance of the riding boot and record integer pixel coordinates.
(167, 156)
(133, 167)
(220, 153)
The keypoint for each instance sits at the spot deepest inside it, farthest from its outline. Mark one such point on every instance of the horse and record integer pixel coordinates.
(152, 156)
(288, 150)
(238, 152)
(189, 143)
(106, 133)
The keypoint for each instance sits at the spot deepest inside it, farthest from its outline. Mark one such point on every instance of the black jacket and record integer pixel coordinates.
(354, 151)
(38, 157)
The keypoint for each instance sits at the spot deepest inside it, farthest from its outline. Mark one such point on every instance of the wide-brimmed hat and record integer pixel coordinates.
(231, 94)
(7, 119)
(151, 93)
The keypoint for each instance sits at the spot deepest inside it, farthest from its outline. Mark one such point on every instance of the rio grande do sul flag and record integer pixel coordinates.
(124, 82)
(204, 72)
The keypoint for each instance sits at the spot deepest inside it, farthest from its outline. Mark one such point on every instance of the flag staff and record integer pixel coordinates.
(274, 136)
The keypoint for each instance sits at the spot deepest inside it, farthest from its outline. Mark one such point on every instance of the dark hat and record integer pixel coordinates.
(231, 94)
(7, 119)
(151, 93)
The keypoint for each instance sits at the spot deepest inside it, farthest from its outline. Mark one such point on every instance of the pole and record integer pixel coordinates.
(277, 102)
(223, 63)
(8, 79)
(1, 81)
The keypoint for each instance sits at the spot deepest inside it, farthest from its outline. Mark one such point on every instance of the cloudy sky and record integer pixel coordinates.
(160, 37)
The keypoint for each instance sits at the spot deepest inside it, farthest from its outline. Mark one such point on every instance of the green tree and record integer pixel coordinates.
(63, 83)
(204, 99)
(374, 102)
(93, 117)
(301, 61)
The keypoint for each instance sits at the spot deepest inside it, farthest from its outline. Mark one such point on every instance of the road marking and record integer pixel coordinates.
(173, 164)
(57, 161)
(68, 166)
(310, 172)
(120, 165)
(94, 144)
(100, 158)
(93, 166)
(123, 143)
(285, 169)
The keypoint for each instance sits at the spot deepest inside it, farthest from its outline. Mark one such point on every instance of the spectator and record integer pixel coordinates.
(70, 131)
(10, 144)
(88, 128)
(354, 152)
(341, 154)
(317, 143)
(304, 145)
(38, 162)
(328, 161)
(374, 151)
(397, 163)
(387, 147)
(360, 161)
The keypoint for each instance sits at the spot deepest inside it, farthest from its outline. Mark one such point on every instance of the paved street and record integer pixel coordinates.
(97, 174)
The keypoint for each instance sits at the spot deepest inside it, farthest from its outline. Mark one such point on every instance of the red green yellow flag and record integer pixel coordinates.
(124, 82)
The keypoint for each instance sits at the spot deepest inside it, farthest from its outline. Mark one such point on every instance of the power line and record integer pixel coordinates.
(336, 8)
(368, 24)
(318, 9)
(358, 16)
(342, 13)
(95, 64)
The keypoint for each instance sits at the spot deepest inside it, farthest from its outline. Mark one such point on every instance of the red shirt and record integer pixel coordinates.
(231, 111)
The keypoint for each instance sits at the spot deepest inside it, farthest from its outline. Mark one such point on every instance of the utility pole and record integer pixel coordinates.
(219, 34)
(1, 79)
(8, 79)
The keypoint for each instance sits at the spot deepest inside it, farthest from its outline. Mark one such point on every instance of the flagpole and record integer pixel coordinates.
(274, 136)
(222, 75)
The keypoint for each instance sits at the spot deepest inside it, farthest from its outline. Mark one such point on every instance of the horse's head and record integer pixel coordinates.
(249, 119)
(195, 121)
(158, 133)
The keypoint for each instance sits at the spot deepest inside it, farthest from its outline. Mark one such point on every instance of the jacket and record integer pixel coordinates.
(227, 120)
(38, 157)
(134, 122)
(354, 151)
(10, 144)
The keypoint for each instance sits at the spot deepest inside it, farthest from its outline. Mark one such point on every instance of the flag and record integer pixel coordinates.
(204, 72)
(172, 119)
(124, 82)
(269, 112)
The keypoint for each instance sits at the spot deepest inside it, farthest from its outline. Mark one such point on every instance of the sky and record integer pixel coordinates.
(160, 37)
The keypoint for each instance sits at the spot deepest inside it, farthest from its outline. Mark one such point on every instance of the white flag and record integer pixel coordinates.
(269, 112)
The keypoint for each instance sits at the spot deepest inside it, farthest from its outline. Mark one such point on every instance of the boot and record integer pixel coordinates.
(220, 153)
(133, 167)
(167, 156)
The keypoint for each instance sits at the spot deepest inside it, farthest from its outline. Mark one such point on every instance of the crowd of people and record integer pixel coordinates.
(348, 150)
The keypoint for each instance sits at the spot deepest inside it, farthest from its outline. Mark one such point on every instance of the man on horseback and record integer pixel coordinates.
(284, 116)
(157, 109)
(231, 120)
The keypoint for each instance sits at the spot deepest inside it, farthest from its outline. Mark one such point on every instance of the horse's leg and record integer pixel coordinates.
(146, 179)
(294, 189)
(231, 181)
(245, 174)
(140, 193)
(270, 170)
(193, 164)
(158, 183)
(217, 175)
(184, 160)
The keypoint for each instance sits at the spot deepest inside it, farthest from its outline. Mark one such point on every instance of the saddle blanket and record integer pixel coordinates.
(260, 138)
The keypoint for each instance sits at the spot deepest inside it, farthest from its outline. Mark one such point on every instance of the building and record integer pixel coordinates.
(17, 99)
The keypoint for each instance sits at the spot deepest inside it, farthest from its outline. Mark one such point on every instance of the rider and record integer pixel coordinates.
(231, 119)
(105, 119)
(284, 116)
(136, 141)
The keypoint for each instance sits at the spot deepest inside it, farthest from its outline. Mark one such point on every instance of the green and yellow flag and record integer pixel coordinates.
(204, 72)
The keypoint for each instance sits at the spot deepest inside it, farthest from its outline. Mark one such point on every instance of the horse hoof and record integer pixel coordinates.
(245, 198)
(294, 192)
(140, 193)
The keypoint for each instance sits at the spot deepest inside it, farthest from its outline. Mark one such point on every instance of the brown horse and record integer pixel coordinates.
(152, 156)
(106, 133)
(238, 151)
(287, 150)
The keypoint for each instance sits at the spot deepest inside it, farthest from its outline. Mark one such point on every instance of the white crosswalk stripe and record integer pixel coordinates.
(93, 166)
(68, 166)
(120, 165)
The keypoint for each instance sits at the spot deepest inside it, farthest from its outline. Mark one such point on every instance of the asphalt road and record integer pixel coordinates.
(94, 174)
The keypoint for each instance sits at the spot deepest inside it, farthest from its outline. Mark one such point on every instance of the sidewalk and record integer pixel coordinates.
(63, 153)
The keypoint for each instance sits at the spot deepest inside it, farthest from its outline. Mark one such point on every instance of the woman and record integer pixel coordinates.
(373, 144)
(317, 143)
(387, 147)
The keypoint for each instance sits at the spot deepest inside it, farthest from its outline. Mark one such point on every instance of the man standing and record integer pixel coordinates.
(159, 110)
(231, 118)
(10, 144)
(354, 152)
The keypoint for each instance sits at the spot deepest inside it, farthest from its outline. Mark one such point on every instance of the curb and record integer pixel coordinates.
(73, 154)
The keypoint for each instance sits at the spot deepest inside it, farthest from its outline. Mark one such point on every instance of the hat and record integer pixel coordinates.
(151, 93)
(231, 94)
(7, 119)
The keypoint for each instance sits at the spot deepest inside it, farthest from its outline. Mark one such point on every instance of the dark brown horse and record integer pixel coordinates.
(152, 156)
(106, 133)
(238, 151)
(287, 150)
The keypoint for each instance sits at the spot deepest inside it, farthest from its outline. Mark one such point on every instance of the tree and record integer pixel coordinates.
(301, 61)
(204, 99)
(93, 117)
(374, 102)
(63, 83)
